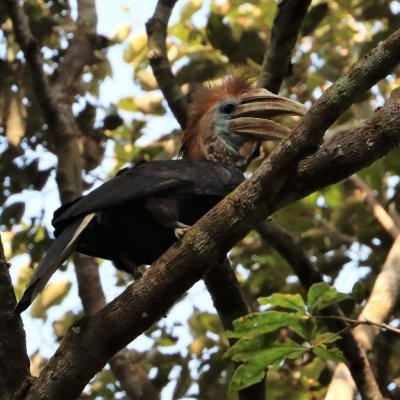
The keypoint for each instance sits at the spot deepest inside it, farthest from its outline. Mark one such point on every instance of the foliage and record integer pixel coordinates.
(270, 338)
(337, 230)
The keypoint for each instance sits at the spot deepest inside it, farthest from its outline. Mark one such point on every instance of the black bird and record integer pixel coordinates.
(133, 218)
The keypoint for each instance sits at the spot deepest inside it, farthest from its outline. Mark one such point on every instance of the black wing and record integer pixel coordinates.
(155, 178)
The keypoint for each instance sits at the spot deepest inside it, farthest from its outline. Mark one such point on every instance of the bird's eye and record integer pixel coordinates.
(227, 108)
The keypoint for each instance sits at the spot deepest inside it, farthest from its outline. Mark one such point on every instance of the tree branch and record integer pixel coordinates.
(361, 322)
(14, 368)
(286, 28)
(156, 28)
(130, 374)
(307, 136)
(90, 342)
(63, 129)
(384, 218)
(79, 52)
(383, 298)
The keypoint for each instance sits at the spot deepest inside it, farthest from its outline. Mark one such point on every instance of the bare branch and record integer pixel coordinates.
(359, 322)
(286, 28)
(289, 247)
(341, 385)
(156, 28)
(79, 52)
(15, 366)
(384, 218)
(228, 301)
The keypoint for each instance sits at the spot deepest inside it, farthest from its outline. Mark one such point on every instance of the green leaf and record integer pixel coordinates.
(324, 338)
(307, 328)
(262, 322)
(246, 375)
(251, 344)
(270, 321)
(329, 355)
(358, 292)
(322, 295)
(253, 369)
(290, 301)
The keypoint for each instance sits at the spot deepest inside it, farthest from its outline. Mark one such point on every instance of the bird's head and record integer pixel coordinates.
(227, 121)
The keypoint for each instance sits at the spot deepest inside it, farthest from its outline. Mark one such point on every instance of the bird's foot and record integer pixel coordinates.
(181, 230)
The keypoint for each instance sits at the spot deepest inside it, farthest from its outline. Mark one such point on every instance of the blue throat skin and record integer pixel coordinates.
(232, 144)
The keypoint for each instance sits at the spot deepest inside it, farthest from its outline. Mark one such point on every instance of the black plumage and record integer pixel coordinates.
(138, 210)
(131, 219)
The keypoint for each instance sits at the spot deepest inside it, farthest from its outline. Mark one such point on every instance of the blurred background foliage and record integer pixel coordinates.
(338, 230)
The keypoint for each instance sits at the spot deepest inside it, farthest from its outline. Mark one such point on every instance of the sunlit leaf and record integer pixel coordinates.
(322, 295)
(290, 301)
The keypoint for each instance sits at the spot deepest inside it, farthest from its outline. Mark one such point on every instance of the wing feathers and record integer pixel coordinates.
(59, 251)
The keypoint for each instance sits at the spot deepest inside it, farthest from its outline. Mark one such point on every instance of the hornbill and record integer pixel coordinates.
(134, 217)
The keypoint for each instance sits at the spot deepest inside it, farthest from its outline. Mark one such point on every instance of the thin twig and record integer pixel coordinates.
(357, 322)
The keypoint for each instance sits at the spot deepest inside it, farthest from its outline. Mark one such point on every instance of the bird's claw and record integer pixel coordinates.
(180, 232)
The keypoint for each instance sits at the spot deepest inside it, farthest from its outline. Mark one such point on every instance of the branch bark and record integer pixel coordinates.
(130, 374)
(94, 339)
(285, 30)
(156, 28)
(15, 366)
